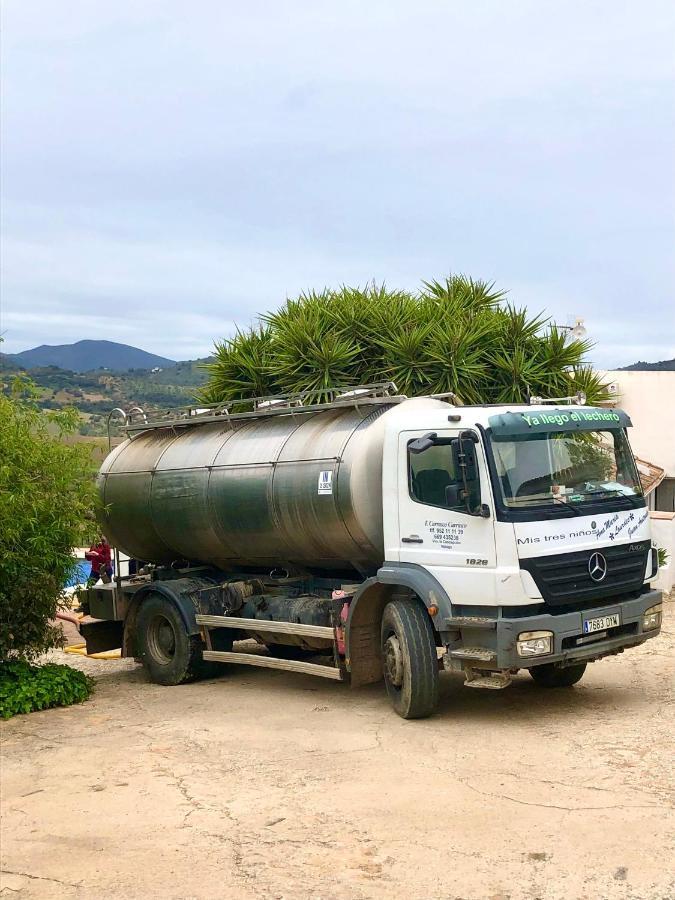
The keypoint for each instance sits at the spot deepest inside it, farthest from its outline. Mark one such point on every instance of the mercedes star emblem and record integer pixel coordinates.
(597, 566)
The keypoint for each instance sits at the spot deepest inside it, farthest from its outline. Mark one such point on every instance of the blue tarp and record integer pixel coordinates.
(80, 574)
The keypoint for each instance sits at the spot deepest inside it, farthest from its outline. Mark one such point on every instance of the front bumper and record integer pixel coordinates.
(501, 634)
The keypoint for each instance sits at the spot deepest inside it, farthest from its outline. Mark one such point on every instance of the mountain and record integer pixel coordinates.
(666, 365)
(85, 356)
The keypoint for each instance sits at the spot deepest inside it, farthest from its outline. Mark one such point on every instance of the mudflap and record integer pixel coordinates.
(102, 634)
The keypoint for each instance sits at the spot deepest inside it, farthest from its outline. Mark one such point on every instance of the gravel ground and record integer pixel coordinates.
(266, 784)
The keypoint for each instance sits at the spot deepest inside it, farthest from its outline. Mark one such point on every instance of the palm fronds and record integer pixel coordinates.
(457, 334)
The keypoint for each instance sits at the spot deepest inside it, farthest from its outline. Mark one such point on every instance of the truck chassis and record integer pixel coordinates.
(183, 624)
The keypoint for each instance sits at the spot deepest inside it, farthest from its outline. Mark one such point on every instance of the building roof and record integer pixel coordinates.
(651, 476)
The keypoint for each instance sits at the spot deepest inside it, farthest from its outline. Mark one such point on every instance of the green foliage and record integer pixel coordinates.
(455, 335)
(25, 688)
(663, 556)
(46, 508)
(243, 371)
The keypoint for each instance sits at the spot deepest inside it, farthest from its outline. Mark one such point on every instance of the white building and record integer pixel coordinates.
(649, 399)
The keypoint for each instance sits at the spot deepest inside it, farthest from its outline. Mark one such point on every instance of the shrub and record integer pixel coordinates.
(47, 496)
(24, 688)
(456, 335)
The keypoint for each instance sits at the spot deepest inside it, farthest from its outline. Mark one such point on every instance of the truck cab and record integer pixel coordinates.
(530, 519)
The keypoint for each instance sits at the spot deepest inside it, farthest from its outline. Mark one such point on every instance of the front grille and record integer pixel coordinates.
(564, 578)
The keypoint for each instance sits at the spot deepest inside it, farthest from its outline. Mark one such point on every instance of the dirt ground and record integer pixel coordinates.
(264, 784)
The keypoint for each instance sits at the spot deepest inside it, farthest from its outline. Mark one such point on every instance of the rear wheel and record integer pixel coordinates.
(170, 655)
(549, 675)
(409, 659)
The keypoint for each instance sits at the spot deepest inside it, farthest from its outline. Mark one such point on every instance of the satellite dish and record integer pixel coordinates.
(579, 329)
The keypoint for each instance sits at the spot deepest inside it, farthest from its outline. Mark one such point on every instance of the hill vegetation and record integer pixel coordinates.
(666, 365)
(95, 393)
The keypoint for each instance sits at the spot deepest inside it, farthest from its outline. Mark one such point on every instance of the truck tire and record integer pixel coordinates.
(549, 675)
(409, 659)
(169, 654)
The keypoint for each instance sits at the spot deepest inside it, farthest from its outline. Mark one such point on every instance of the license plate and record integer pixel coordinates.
(601, 623)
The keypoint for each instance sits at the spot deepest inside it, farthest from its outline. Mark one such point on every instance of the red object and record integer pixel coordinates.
(344, 612)
(100, 556)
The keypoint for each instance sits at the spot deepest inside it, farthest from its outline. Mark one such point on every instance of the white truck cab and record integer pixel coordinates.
(530, 518)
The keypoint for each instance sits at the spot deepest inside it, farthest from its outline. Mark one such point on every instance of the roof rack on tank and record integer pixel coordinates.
(297, 403)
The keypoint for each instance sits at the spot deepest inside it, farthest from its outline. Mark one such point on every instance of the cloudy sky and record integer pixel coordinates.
(171, 169)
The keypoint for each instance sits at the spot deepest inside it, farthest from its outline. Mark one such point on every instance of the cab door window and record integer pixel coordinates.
(431, 472)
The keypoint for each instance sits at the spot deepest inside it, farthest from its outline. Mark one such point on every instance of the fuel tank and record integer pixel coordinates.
(302, 489)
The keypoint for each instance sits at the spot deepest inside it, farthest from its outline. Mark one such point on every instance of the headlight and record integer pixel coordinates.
(535, 643)
(652, 618)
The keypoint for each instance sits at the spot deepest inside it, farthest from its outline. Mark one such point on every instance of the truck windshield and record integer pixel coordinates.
(564, 467)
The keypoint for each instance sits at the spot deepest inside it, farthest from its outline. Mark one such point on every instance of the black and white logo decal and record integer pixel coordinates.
(597, 566)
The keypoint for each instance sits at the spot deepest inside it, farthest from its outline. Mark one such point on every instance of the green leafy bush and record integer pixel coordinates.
(47, 497)
(663, 556)
(24, 688)
(456, 335)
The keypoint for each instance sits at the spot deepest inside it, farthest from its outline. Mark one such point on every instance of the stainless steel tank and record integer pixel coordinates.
(254, 491)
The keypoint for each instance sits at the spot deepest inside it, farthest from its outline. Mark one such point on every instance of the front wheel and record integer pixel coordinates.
(409, 659)
(549, 675)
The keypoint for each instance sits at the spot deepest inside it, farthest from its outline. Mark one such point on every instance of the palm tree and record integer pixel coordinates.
(455, 335)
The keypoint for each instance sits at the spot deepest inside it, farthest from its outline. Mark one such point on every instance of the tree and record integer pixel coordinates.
(455, 335)
(47, 497)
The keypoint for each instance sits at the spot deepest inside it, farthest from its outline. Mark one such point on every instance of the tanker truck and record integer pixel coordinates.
(375, 537)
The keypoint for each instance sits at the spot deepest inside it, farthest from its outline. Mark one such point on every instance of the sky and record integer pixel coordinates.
(170, 169)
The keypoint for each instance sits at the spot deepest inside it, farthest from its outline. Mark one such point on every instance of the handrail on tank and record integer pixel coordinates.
(136, 409)
(275, 404)
(447, 395)
(110, 415)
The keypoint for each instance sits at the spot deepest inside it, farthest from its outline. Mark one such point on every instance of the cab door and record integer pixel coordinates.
(436, 530)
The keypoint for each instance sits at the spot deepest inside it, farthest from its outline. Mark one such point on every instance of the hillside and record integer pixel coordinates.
(85, 356)
(95, 393)
(666, 365)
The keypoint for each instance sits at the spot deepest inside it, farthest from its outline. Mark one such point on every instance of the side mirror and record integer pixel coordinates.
(423, 443)
(464, 456)
(466, 463)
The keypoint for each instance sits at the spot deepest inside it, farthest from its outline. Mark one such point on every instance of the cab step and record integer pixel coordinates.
(491, 681)
(480, 654)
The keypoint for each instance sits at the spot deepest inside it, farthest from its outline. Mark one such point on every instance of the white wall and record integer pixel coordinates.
(649, 399)
(663, 535)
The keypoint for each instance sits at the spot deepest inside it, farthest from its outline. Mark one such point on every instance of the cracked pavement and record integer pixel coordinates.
(265, 784)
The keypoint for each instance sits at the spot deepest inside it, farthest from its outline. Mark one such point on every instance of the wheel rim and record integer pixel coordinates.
(393, 661)
(161, 638)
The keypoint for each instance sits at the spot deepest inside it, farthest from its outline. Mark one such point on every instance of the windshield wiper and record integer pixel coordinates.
(613, 492)
(547, 501)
